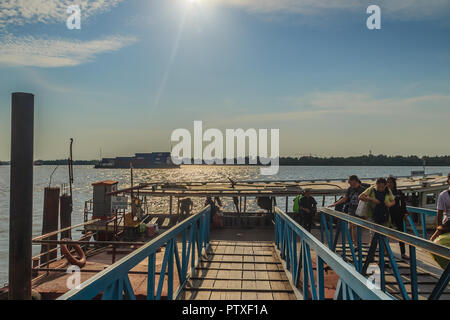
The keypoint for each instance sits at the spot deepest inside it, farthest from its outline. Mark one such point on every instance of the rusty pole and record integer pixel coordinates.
(65, 214)
(21, 196)
(50, 221)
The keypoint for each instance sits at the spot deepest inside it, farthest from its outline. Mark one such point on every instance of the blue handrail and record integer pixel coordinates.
(380, 240)
(423, 213)
(351, 285)
(115, 283)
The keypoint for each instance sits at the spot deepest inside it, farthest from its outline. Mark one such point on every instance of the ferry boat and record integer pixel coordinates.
(154, 160)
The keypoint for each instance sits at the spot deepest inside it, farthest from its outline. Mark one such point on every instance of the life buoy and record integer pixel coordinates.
(81, 261)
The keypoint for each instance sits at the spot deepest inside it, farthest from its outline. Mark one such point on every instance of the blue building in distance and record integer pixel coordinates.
(139, 161)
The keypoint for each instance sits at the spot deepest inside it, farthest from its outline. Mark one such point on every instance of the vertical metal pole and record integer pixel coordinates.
(287, 205)
(21, 196)
(245, 204)
(424, 226)
(413, 273)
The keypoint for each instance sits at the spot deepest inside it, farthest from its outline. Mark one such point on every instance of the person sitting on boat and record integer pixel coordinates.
(186, 205)
(398, 212)
(218, 201)
(308, 208)
(210, 202)
(216, 215)
(443, 213)
(380, 199)
(351, 199)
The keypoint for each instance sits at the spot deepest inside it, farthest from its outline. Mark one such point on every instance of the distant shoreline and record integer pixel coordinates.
(366, 160)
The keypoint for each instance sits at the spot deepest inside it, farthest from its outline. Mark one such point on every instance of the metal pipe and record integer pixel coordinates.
(112, 243)
(44, 236)
(21, 196)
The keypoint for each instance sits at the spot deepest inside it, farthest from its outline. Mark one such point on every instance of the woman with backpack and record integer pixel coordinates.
(380, 199)
(398, 211)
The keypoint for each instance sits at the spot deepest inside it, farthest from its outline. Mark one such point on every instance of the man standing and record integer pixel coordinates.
(186, 205)
(443, 215)
(308, 208)
(352, 200)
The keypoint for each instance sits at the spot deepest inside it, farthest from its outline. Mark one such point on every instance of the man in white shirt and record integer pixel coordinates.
(443, 216)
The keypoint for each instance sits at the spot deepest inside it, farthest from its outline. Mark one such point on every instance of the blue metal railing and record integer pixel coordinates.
(380, 240)
(423, 213)
(113, 282)
(351, 284)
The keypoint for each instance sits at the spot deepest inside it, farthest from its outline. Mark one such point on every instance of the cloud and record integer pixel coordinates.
(316, 106)
(38, 52)
(20, 12)
(393, 9)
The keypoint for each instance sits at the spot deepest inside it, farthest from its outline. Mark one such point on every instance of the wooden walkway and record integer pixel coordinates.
(239, 270)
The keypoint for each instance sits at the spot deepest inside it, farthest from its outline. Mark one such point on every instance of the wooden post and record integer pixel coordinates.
(170, 205)
(50, 222)
(21, 196)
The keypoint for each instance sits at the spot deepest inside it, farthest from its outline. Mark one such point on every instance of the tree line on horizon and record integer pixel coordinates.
(365, 160)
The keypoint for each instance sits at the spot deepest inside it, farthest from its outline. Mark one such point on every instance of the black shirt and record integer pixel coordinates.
(352, 196)
(308, 203)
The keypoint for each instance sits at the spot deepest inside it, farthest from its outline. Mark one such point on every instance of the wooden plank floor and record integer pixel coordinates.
(239, 270)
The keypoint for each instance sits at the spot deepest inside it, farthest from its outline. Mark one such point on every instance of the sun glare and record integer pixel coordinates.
(194, 1)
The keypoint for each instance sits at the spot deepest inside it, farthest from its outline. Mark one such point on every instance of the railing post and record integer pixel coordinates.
(170, 270)
(151, 277)
(320, 279)
(381, 263)
(424, 225)
(413, 272)
(360, 249)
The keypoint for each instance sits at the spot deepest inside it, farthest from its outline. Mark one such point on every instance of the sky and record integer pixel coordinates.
(139, 69)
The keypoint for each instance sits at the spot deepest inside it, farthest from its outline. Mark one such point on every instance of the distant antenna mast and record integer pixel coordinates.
(131, 177)
(71, 168)
(424, 163)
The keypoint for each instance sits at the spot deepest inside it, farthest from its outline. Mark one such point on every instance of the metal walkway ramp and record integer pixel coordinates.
(239, 270)
(426, 280)
(185, 263)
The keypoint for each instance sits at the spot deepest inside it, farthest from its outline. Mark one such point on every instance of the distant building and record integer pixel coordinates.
(140, 160)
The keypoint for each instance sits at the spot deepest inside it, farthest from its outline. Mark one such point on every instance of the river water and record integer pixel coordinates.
(84, 176)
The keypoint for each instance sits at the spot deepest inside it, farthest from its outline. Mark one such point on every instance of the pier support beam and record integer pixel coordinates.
(21, 196)
(65, 213)
(50, 222)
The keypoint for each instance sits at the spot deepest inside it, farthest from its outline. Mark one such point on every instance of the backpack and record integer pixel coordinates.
(380, 212)
(296, 207)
